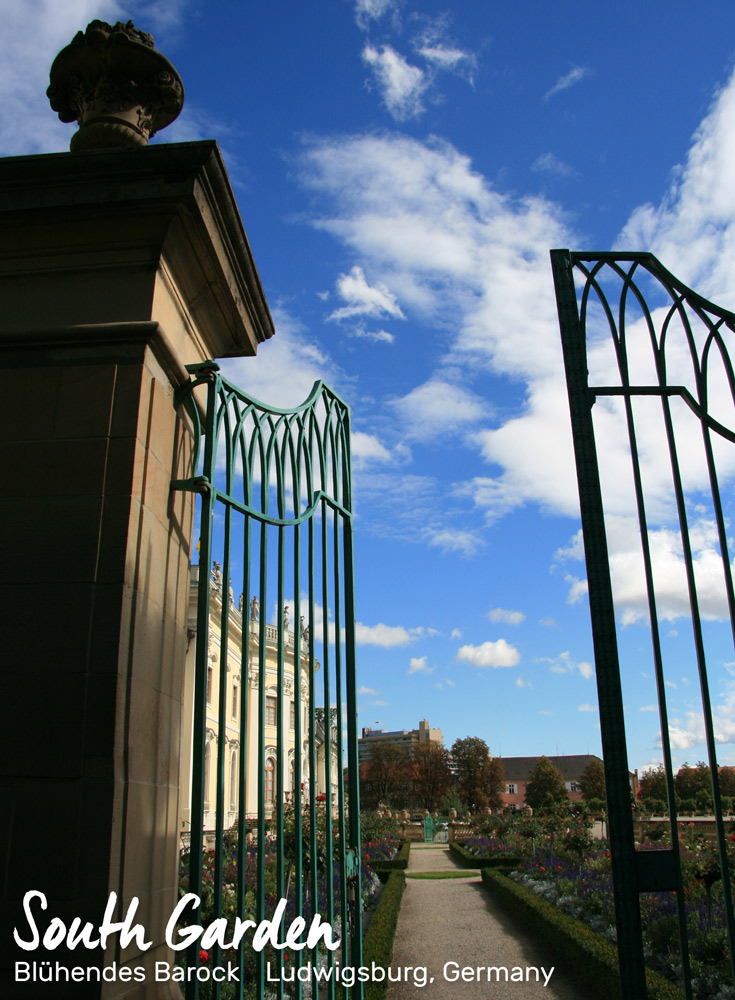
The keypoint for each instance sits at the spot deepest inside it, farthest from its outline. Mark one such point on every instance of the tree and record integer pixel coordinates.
(546, 785)
(479, 779)
(652, 784)
(727, 781)
(432, 773)
(592, 781)
(691, 781)
(387, 770)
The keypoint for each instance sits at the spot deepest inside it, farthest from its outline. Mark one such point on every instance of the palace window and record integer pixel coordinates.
(271, 709)
(235, 699)
(210, 676)
(510, 789)
(270, 784)
(293, 715)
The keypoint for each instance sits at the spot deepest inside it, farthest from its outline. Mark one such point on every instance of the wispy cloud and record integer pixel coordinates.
(467, 543)
(401, 84)
(586, 707)
(438, 408)
(549, 164)
(569, 79)
(564, 664)
(372, 10)
(506, 616)
(490, 654)
(366, 690)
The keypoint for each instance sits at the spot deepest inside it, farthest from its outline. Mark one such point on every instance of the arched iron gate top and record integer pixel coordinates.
(624, 318)
(277, 700)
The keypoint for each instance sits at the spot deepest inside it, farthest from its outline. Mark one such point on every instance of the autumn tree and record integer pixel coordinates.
(432, 773)
(479, 778)
(386, 772)
(592, 781)
(545, 786)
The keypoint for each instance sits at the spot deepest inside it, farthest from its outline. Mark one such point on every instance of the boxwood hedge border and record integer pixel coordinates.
(587, 953)
(377, 945)
(468, 860)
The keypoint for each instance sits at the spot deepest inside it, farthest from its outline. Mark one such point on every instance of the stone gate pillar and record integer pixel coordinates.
(117, 268)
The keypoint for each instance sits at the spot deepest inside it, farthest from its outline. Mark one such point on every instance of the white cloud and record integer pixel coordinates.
(364, 299)
(568, 80)
(32, 35)
(669, 572)
(418, 665)
(401, 84)
(648, 708)
(378, 336)
(466, 543)
(564, 664)
(366, 449)
(385, 635)
(456, 633)
(523, 684)
(473, 262)
(450, 684)
(490, 654)
(286, 366)
(506, 616)
(371, 10)
(366, 690)
(448, 58)
(586, 707)
(438, 408)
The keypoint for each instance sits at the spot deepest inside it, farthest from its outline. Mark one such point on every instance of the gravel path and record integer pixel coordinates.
(450, 925)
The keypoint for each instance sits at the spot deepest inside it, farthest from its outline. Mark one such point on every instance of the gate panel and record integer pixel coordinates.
(274, 815)
(655, 359)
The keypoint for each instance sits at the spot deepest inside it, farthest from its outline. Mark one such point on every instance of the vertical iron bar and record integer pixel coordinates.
(602, 613)
(709, 730)
(208, 494)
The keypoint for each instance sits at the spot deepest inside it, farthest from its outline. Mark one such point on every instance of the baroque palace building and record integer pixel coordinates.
(244, 625)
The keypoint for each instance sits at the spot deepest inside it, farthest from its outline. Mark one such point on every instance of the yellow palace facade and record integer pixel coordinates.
(244, 625)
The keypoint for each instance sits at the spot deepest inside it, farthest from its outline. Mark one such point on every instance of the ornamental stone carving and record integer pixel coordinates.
(115, 85)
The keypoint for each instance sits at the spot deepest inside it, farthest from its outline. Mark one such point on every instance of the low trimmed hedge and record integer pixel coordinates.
(468, 860)
(398, 863)
(377, 945)
(586, 952)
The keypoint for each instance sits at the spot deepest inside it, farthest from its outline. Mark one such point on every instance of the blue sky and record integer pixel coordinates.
(402, 170)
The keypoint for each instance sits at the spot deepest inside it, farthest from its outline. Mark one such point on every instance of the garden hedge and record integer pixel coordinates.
(398, 863)
(468, 860)
(586, 952)
(377, 945)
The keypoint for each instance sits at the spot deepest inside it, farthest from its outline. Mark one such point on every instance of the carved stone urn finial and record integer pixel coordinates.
(111, 80)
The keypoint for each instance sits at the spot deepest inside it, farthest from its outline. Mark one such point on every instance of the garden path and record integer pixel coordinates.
(450, 924)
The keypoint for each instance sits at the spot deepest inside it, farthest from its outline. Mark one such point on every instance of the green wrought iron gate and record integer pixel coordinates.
(648, 363)
(274, 801)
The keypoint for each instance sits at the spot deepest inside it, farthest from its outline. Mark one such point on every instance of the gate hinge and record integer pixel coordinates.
(198, 484)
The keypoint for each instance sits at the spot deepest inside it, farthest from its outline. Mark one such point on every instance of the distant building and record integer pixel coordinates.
(517, 773)
(408, 738)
